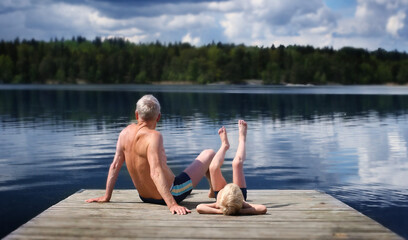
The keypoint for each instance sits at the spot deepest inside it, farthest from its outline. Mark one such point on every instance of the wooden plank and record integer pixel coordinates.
(292, 214)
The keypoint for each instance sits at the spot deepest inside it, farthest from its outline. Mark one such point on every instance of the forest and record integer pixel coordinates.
(116, 60)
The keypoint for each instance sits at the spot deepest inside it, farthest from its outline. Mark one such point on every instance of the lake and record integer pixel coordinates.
(348, 141)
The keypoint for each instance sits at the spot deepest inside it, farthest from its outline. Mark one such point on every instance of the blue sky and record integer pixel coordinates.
(368, 24)
(339, 4)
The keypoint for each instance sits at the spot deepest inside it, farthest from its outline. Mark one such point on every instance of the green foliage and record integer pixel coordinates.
(6, 69)
(119, 61)
(402, 76)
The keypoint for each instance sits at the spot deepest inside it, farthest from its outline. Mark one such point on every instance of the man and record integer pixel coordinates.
(141, 146)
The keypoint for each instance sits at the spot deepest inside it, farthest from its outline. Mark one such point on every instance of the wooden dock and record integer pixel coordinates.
(292, 214)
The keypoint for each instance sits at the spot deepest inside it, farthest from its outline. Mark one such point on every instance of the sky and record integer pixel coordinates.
(368, 24)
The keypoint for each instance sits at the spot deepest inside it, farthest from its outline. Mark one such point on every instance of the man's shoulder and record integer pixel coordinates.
(154, 135)
(128, 129)
(149, 134)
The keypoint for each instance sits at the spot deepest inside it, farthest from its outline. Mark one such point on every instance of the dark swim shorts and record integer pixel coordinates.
(182, 187)
(243, 190)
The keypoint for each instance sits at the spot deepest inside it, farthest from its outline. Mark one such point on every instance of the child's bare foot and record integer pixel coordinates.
(224, 138)
(242, 126)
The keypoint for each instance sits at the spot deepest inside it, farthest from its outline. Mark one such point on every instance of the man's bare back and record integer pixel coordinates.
(136, 140)
(141, 147)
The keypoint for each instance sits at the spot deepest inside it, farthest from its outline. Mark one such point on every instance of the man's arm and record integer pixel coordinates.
(208, 209)
(113, 174)
(155, 156)
(252, 209)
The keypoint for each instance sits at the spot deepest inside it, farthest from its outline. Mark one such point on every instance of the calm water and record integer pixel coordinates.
(350, 142)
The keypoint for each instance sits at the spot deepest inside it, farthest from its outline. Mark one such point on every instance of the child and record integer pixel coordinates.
(230, 197)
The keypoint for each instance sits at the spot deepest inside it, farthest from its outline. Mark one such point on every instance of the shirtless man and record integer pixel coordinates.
(141, 146)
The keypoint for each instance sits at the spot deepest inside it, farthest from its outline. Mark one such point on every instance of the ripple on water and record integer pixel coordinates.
(372, 195)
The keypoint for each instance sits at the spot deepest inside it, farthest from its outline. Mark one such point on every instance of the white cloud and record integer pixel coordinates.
(189, 21)
(235, 25)
(375, 23)
(376, 18)
(227, 6)
(100, 22)
(189, 39)
(266, 22)
(60, 20)
(396, 23)
(357, 41)
(136, 38)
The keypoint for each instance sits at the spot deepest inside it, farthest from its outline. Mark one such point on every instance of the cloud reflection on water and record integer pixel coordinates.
(331, 151)
(299, 141)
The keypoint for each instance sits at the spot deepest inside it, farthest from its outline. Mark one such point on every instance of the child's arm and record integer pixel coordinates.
(208, 209)
(252, 209)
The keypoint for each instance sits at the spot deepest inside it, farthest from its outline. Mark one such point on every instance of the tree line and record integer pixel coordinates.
(119, 61)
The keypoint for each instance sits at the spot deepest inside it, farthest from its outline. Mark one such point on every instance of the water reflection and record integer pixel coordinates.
(352, 146)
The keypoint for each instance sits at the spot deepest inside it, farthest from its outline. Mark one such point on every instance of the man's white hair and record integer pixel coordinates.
(148, 107)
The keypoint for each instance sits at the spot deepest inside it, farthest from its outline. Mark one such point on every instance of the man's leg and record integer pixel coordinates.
(199, 167)
(238, 176)
(217, 179)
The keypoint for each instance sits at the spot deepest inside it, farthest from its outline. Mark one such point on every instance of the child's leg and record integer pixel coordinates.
(217, 179)
(238, 162)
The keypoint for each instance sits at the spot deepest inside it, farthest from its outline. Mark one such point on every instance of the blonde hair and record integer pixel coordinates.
(148, 107)
(231, 199)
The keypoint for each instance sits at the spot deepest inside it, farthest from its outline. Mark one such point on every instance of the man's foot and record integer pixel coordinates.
(224, 138)
(242, 126)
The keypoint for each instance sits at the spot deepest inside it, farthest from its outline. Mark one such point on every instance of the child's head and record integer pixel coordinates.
(230, 199)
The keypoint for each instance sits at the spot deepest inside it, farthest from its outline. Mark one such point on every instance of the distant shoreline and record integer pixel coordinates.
(218, 88)
(249, 82)
(80, 61)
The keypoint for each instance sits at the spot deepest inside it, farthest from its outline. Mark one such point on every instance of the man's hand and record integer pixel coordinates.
(180, 210)
(99, 199)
